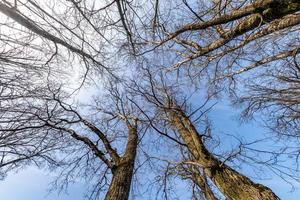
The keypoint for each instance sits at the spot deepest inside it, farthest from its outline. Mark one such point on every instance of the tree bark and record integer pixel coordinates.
(201, 181)
(231, 183)
(119, 188)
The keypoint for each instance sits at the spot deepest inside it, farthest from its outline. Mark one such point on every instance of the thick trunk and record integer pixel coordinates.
(119, 188)
(231, 183)
(236, 186)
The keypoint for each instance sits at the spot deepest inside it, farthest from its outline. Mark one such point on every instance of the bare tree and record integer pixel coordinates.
(39, 43)
(42, 121)
(233, 185)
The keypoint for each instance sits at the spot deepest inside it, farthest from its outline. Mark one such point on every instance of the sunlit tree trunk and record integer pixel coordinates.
(231, 183)
(121, 182)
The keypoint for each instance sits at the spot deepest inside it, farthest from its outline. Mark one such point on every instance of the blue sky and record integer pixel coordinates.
(33, 184)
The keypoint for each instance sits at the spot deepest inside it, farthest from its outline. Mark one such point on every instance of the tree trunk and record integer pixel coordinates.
(231, 183)
(119, 188)
(200, 180)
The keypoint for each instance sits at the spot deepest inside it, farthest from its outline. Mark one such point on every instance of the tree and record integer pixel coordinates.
(228, 45)
(34, 51)
(40, 39)
(45, 118)
(163, 96)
